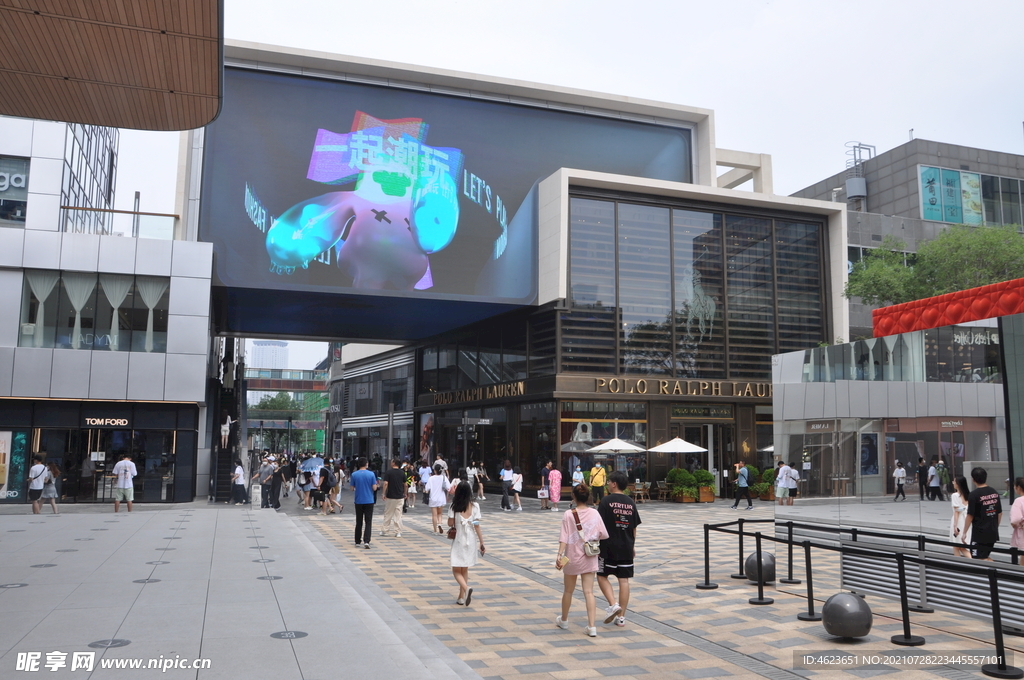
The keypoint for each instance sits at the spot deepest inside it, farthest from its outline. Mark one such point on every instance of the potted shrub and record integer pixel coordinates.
(681, 485)
(706, 483)
(768, 480)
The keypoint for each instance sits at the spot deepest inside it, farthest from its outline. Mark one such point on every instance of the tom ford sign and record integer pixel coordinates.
(686, 388)
(106, 422)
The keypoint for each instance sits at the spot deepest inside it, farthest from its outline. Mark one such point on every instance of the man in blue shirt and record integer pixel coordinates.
(742, 485)
(364, 483)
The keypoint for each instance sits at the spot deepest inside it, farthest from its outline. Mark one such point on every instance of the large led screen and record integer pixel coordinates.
(331, 186)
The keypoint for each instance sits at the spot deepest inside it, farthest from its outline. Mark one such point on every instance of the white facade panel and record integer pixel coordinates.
(6, 370)
(45, 175)
(117, 255)
(152, 257)
(146, 376)
(936, 399)
(952, 399)
(109, 377)
(80, 252)
(32, 372)
(15, 137)
(814, 395)
(12, 246)
(42, 250)
(897, 397)
(190, 297)
(878, 398)
(43, 212)
(793, 396)
(187, 334)
(859, 396)
(842, 398)
(48, 139)
(185, 378)
(11, 282)
(192, 258)
(70, 375)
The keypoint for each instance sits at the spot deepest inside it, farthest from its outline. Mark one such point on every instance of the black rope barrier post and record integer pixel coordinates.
(707, 585)
(998, 670)
(920, 607)
(906, 640)
(760, 599)
(740, 573)
(810, 615)
(789, 536)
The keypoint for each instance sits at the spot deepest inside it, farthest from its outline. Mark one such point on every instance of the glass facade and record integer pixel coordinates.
(90, 174)
(14, 174)
(85, 310)
(685, 293)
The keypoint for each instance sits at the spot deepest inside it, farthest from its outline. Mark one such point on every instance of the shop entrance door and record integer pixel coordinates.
(717, 438)
(99, 451)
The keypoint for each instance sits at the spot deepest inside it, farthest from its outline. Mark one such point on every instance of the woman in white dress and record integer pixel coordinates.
(464, 516)
(437, 489)
(956, 523)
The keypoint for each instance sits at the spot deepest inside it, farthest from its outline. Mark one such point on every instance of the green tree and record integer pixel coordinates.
(282, 401)
(961, 257)
(882, 277)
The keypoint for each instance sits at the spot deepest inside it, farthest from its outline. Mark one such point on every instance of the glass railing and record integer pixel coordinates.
(284, 374)
(119, 223)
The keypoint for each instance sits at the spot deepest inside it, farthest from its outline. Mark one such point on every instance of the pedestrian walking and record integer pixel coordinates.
(598, 478)
(238, 483)
(506, 475)
(263, 478)
(934, 483)
(436, 492)
(554, 488)
(782, 483)
(922, 476)
(621, 518)
(517, 487)
(1017, 517)
(50, 487)
(984, 513)
(424, 478)
(411, 481)
(328, 483)
(394, 498)
(124, 488)
(464, 517)
(36, 480)
(742, 485)
(364, 484)
(959, 519)
(900, 475)
(545, 473)
(792, 480)
(580, 526)
(481, 477)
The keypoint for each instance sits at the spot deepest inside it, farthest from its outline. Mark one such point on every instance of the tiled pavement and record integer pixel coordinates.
(674, 630)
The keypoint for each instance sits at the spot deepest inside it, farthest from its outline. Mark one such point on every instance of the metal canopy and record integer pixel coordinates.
(141, 64)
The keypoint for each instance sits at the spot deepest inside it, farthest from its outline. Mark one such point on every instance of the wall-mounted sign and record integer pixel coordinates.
(821, 426)
(692, 388)
(106, 422)
(703, 411)
(951, 196)
(515, 389)
(951, 424)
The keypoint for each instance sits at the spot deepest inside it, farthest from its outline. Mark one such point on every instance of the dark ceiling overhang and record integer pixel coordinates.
(139, 64)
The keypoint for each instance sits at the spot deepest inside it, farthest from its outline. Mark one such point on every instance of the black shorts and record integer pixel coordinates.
(34, 494)
(610, 566)
(981, 551)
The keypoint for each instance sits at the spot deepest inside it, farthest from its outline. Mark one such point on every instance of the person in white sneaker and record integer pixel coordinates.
(621, 518)
(579, 525)
(517, 487)
(554, 488)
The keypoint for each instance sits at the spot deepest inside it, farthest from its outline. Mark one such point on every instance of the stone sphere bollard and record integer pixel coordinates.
(846, 615)
(767, 567)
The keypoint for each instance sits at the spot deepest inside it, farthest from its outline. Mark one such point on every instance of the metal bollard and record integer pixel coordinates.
(810, 615)
(906, 640)
(760, 599)
(920, 607)
(707, 585)
(790, 580)
(739, 573)
(998, 670)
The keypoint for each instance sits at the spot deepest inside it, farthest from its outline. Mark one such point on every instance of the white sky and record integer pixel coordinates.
(796, 79)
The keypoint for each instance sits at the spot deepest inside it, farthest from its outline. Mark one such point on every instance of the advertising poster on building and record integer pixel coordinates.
(341, 187)
(952, 209)
(970, 192)
(931, 199)
(427, 437)
(13, 465)
(869, 453)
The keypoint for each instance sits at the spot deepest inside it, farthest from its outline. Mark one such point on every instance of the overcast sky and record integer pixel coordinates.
(796, 79)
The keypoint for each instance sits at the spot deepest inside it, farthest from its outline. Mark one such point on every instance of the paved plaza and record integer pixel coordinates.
(287, 595)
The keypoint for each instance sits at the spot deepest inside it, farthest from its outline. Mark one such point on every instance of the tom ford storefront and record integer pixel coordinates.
(86, 438)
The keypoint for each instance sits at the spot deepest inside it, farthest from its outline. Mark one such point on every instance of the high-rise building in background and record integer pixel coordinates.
(267, 354)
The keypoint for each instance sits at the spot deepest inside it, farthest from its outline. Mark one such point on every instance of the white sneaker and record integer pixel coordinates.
(611, 610)
(398, 535)
(519, 509)
(554, 509)
(561, 623)
(591, 631)
(381, 533)
(483, 498)
(620, 621)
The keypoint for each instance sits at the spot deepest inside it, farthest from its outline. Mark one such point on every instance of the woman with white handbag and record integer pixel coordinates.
(578, 548)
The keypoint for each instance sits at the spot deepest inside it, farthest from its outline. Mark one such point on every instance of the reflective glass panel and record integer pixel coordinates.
(798, 285)
(592, 252)
(645, 296)
(750, 318)
(697, 262)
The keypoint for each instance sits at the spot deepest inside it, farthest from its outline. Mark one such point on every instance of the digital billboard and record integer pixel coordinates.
(333, 186)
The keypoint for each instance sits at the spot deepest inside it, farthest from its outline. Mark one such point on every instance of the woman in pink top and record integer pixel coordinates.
(573, 561)
(1017, 516)
(554, 488)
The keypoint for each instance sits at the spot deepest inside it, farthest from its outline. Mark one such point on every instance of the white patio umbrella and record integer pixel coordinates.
(678, 445)
(616, 446)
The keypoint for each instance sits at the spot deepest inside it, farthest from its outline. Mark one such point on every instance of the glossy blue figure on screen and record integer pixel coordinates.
(404, 207)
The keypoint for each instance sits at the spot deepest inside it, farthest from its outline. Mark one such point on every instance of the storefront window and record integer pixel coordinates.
(77, 306)
(447, 370)
(428, 369)
(585, 424)
(149, 314)
(14, 174)
(538, 440)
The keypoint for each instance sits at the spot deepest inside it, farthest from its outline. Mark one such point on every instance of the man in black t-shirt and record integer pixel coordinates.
(394, 497)
(617, 551)
(984, 513)
(922, 476)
